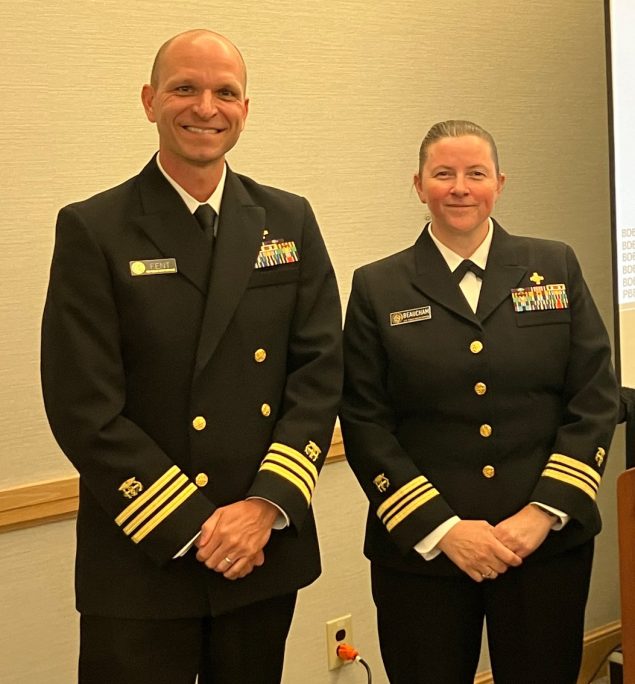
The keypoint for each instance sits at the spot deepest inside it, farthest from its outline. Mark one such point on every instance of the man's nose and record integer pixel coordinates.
(205, 106)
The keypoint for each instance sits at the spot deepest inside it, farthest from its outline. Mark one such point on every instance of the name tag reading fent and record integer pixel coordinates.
(146, 267)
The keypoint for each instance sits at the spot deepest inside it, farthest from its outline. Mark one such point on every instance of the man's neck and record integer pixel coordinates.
(198, 181)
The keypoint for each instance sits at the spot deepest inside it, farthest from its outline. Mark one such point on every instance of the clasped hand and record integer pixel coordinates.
(484, 551)
(233, 538)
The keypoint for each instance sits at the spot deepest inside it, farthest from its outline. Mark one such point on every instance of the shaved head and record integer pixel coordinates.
(192, 35)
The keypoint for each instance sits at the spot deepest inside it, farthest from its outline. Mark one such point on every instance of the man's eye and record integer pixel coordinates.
(184, 89)
(226, 93)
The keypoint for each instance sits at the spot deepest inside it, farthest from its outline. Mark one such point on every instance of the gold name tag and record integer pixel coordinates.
(145, 267)
(421, 313)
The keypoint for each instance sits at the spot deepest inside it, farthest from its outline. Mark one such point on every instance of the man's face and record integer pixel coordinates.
(460, 185)
(197, 101)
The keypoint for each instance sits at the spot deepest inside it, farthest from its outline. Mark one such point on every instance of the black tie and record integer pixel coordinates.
(465, 266)
(205, 216)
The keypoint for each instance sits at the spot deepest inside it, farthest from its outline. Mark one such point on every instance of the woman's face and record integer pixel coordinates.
(460, 185)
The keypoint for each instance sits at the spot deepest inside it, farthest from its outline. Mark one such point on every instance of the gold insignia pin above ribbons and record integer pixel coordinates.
(276, 253)
(421, 313)
(131, 487)
(146, 267)
(540, 298)
(536, 278)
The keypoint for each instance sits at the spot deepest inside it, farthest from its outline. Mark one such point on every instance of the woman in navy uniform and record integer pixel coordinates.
(478, 409)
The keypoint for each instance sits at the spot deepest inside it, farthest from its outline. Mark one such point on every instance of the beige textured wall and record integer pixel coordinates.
(627, 336)
(342, 91)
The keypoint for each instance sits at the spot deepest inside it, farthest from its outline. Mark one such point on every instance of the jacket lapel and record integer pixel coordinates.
(433, 278)
(502, 273)
(235, 253)
(168, 223)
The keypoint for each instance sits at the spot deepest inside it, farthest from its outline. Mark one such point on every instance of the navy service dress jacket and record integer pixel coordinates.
(175, 388)
(449, 412)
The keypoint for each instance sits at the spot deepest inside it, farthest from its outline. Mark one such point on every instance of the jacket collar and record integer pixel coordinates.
(503, 272)
(168, 223)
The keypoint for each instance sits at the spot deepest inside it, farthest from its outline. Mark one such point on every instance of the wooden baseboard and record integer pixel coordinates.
(598, 643)
(45, 502)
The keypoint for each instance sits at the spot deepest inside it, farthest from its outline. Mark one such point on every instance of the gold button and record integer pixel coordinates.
(199, 423)
(265, 409)
(476, 347)
(201, 480)
(480, 388)
(260, 355)
(485, 430)
(489, 471)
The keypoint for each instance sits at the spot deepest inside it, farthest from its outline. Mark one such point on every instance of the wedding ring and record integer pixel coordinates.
(229, 561)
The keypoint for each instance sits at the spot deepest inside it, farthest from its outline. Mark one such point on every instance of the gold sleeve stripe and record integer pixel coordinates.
(296, 455)
(571, 480)
(164, 513)
(400, 494)
(156, 503)
(287, 475)
(576, 465)
(293, 466)
(404, 502)
(148, 494)
(573, 473)
(419, 501)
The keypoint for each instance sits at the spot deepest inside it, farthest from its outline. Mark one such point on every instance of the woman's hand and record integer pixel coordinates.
(524, 531)
(473, 547)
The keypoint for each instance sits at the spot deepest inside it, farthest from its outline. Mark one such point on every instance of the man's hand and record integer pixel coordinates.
(233, 538)
(524, 531)
(473, 547)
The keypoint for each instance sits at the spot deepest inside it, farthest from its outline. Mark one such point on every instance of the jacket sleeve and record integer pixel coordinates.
(572, 475)
(84, 387)
(400, 495)
(302, 435)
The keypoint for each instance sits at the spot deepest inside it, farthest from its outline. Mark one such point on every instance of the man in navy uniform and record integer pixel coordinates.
(191, 370)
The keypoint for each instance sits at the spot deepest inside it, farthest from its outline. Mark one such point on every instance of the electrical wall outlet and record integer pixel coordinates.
(338, 631)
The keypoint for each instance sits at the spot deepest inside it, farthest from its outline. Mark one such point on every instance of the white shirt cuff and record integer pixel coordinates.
(561, 518)
(427, 547)
(187, 547)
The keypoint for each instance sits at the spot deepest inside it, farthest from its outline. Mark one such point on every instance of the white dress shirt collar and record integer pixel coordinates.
(192, 203)
(479, 257)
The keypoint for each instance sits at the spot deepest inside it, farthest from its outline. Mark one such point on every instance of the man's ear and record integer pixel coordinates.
(147, 100)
